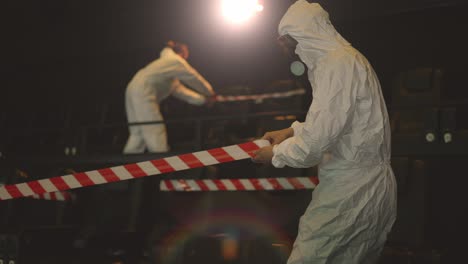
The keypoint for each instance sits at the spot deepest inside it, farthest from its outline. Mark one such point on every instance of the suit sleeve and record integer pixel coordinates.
(326, 120)
(190, 77)
(185, 94)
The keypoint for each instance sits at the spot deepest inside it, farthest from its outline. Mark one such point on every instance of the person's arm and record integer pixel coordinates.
(326, 120)
(297, 127)
(190, 77)
(185, 94)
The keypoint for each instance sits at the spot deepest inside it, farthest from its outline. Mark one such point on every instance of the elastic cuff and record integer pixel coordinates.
(276, 161)
(297, 126)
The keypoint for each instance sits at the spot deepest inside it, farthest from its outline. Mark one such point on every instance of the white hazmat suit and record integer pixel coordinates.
(152, 84)
(346, 133)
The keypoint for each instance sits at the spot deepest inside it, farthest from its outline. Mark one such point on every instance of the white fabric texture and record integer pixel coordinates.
(346, 133)
(165, 76)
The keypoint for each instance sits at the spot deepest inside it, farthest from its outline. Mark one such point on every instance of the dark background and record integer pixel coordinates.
(80, 52)
(75, 57)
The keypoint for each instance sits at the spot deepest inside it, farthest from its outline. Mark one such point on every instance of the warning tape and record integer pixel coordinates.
(53, 196)
(131, 171)
(259, 184)
(258, 97)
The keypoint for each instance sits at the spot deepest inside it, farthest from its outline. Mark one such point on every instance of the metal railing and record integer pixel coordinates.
(198, 125)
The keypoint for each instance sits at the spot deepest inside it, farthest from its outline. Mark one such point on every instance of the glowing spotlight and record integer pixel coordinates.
(238, 11)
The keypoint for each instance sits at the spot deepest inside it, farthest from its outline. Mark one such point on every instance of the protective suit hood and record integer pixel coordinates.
(310, 26)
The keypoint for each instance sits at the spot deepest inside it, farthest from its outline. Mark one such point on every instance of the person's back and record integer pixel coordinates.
(353, 169)
(158, 74)
(365, 139)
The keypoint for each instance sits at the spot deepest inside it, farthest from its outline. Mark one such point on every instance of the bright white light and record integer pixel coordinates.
(238, 11)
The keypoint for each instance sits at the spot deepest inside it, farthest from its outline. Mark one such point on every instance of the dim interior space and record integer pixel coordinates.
(143, 132)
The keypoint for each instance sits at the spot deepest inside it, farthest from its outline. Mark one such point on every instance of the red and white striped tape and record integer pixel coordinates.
(258, 97)
(53, 196)
(131, 171)
(261, 184)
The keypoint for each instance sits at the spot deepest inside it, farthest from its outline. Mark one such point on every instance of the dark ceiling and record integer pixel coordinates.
(65, 49)
(61, 28)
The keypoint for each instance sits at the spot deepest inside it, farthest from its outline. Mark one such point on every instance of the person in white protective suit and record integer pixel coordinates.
(346, 133)
(165, 76)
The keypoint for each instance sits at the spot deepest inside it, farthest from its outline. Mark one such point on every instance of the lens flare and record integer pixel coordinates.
(297, 68)
(224, 222)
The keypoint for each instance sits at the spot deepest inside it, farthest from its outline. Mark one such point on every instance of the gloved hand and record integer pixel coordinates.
(210, 100)
(278, 136)
(263, 155)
